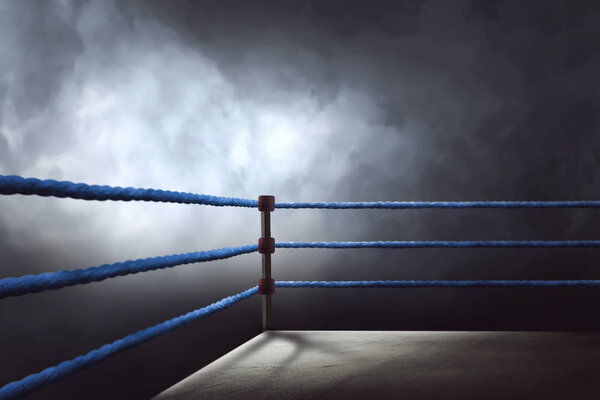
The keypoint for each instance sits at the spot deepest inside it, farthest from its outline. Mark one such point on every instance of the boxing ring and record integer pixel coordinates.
(327, 364)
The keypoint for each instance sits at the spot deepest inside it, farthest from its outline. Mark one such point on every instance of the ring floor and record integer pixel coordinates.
(401, 365)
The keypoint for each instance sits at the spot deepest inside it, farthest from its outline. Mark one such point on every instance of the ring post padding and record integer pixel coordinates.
(266, 286)
(266, 245)
(266, 203)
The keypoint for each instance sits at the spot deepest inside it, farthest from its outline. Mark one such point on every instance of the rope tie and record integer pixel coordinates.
(266, 286)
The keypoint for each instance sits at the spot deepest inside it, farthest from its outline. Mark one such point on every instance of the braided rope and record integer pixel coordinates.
(53, 374)
(424, 284)
(432, 244)
(444, 204)
(56, 280)
(12, 184)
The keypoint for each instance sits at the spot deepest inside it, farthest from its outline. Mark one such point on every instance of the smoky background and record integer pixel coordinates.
(308, 101)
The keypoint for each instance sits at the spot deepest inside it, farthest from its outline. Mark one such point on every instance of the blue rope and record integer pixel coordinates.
(429, 244)
(422, 284)
(13, 184)
(53, 374)
(56, 280)
(445, 204)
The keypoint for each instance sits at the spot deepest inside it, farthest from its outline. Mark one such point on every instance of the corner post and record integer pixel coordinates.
(266, 246)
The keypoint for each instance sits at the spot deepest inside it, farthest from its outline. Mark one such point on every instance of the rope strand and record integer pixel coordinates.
(442, 204)
(13, 184)
(426, 284)
(437, 244)
(56, 280)
(54, 374)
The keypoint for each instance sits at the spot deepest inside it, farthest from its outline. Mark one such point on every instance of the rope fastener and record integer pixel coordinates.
(266, 286)
(266, 245)
(266, 203)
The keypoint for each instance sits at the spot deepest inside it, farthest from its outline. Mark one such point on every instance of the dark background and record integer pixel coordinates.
(309, 101)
